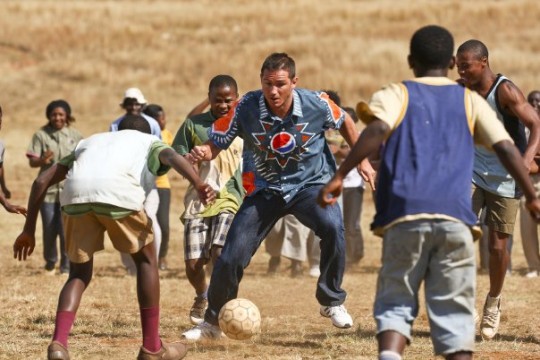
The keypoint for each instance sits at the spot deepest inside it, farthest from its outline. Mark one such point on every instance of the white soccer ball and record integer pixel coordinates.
(240, 319)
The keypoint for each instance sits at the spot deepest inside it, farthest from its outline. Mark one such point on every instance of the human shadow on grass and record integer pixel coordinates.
(118, 271)
(498, 337)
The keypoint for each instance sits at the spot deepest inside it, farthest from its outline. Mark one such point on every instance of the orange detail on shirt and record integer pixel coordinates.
(336, 110)
(223, 124)
(248, 181)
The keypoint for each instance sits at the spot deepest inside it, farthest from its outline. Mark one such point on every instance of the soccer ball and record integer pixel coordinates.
(240, 319)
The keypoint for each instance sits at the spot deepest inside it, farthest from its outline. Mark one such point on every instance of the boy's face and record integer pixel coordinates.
(534, 100)
(221, 99)
(58, 118)
(132, 107)
(470, 67)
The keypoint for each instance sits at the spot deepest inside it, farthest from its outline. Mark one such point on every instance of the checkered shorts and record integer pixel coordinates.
(203, 233)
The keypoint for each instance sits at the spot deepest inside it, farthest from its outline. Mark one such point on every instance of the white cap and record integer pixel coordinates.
(135, 93)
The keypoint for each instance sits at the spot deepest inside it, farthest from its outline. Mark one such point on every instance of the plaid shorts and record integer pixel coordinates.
(201, 234)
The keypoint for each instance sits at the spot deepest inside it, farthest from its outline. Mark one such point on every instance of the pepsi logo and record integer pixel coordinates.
(283, 143)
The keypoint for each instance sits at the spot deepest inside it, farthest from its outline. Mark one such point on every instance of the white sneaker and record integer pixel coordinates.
(531, 274)
(315, 271)
(489, 327)
(339, 315)
(204, 330)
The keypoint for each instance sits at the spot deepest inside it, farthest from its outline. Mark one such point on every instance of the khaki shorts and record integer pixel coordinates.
(85, 234)
(500, 211)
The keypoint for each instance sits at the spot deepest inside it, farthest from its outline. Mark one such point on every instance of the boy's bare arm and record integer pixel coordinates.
(25, 242)
(170, 158)
(7, 193)
(512, 98)
(511, 159)
(369, 142)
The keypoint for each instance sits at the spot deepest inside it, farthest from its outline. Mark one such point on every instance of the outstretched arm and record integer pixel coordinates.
(25, 242)
(170, 158)
(369, 142)
(199, 108)
(510, 158)
(350, 133)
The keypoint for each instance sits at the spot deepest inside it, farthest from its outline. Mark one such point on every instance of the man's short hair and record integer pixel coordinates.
(134, 122)
(432, 46)
(474, 46)
(222, 81)
(279, 61)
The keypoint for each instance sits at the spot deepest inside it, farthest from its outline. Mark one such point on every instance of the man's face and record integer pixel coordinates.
(277, 88)
(221, 100)
(132, 107)
(470, 67)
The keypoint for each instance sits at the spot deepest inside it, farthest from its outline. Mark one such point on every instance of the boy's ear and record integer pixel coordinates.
(410, 61)
(452, 63)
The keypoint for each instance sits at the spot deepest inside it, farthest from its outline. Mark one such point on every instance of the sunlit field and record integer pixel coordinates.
(89, 52)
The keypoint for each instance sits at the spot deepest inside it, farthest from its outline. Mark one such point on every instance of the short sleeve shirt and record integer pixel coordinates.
(154, 166)
(285, 155)
(224, 173)
(61, 142)
(388, 105)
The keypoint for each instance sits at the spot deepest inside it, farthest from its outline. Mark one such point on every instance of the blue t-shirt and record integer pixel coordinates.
(282, 155)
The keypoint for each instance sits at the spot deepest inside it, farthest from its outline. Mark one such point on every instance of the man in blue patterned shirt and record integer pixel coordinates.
(287, 161)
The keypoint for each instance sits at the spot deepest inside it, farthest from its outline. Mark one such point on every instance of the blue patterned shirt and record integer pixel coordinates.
(282, 155)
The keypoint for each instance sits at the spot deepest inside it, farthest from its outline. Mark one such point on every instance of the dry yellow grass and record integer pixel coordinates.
(88, 52)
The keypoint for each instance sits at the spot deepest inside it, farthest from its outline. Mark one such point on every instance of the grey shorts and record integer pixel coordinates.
(441, 254)
(201, 234)
(501, 212)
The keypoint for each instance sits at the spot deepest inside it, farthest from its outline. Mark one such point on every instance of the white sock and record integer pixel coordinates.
(389, 355)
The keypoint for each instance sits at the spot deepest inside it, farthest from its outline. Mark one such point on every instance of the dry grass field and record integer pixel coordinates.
(89, 52)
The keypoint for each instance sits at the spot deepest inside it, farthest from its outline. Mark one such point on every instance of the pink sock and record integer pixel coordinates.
(150, 329)
(62, 327)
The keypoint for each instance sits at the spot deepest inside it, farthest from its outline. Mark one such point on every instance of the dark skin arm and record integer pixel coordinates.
(199, 108)
(510, 157)
(7, 193)
(45, 159)
(369, 142)
(350, 134)
(514, 103)
(170, 158)
(26, 241)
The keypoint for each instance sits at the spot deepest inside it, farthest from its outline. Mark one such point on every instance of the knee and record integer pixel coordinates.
(194, 266)
(80, 272)
(498, 252)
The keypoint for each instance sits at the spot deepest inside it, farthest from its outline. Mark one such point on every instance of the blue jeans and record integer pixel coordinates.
(51, 217)
(253, 221)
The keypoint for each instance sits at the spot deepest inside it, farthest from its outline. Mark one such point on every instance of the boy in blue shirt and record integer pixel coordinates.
(423, 203)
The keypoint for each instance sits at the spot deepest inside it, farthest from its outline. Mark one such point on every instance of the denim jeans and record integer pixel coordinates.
(253, 221)
(51, 218)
